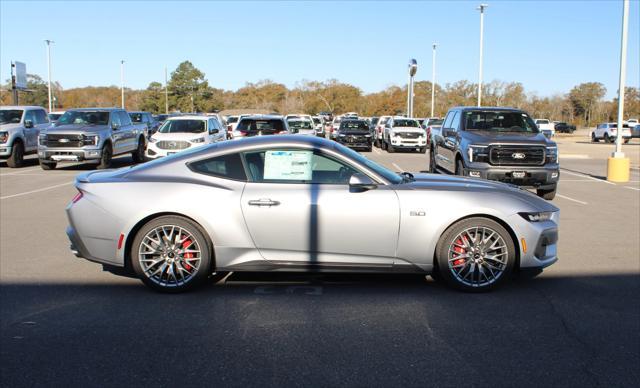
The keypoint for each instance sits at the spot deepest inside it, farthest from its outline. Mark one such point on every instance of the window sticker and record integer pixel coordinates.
(288, 165)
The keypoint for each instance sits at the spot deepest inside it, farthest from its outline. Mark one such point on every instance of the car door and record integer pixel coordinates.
(215, 131)
(298, 208)
(129, 132)
(446, 142)
(30, 134)
(117, 133)
(42, 123)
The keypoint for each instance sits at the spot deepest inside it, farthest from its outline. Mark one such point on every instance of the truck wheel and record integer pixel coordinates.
(17, 155)
(47, 165)
(390, 148)
(459, 167)
(626, 141)
(607, 138)
(105, 160)
(423, 150)
(594, 138)
(547, 194)
(138, 154)
(432, 162)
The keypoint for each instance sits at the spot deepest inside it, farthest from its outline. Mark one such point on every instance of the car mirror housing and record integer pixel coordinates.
(361, 182)
(115, 126)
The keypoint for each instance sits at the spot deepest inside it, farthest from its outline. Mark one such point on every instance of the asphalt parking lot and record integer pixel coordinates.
(65, 322)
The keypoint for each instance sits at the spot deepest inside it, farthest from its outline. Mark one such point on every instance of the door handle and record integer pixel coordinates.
(263, 202)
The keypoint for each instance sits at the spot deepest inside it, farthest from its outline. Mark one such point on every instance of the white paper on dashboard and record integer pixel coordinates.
(288, 165)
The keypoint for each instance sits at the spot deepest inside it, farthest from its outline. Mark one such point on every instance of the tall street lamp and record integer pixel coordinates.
(618, 165)
(122, 81)
(48, 42)
(433, 79)
(481, 8)
(413, 68)
(166, 92)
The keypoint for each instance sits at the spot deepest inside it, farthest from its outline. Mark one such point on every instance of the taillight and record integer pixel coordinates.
(77, 197)
(229, 128)
(282, 132)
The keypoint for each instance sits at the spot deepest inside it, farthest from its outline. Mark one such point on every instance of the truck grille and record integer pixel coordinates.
(172, 144)
(355, 139)
(408, 135)
(66, 141)
(516, 155)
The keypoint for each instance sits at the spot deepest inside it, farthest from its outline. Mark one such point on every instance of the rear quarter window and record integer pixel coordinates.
(225, 166)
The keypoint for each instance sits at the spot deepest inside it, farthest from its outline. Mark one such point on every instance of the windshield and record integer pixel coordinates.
(54, 116)
(12, 116)
(182, 126)
(374, 121)
(232, 119)
(542, 121)
(136, 117)
(389, 175)
(405, 123)
(435, 122)
(84, 118)
(261, 125)
(497, 121)
(316, 120)
(353, 125)
(296, 125)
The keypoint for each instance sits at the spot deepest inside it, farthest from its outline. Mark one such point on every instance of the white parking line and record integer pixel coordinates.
(376, 150)
(632, 188)
(398, 167)
(587, 176)
(572, 199)
(23, 170)
(35, 191)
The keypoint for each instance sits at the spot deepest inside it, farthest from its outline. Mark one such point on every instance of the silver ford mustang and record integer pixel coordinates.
(293, 203)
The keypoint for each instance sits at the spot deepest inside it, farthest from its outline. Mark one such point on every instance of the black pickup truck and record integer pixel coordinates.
(501, 144)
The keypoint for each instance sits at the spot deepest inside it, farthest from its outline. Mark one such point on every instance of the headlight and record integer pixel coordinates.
(90, 140)
(552, 154)
(197, 140)
(537, 217)
(342, 135)
(4, 136)
(42, 138)
(478, 154)
(367, 135)
(152, 139)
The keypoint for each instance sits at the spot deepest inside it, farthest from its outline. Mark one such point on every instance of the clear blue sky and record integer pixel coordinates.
(549, 46)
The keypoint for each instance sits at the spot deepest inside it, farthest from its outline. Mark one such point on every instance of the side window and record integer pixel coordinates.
(31, 116)
(213, 124)
(124, 118)
(296, 166)
(115, 118)
(225, 166)
(455, 125)
(447, 120)
(41, 117)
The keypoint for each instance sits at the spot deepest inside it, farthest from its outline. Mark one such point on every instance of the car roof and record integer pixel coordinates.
(95, 109)
(188, 117)
(488, 108)
(137, 111)
(11, 107)
(263, 117)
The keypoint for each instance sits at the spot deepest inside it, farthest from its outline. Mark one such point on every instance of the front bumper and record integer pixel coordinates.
(398, 142)
(154, 152)
(540, 247)
(69, 154)
(5, 151)
(543, 177)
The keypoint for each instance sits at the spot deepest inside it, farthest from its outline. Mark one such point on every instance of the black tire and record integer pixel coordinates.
(607, 138)
(390, 148)
(626, 141)
(105, 159)
(138, 154)
(423, 150)
(432, 162)
(383, 144)
(547, 194)
(370, 148)
(201, 274)
(376, 143)
(459, 167)
(449, 241)
(594, 138)
(16, 159)
(47, 165)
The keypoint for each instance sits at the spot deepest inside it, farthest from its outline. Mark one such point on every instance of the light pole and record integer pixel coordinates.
(481, 8)
(433, 79)
(413, 67)
(48, 42)
(617, 164)
(166, 92)
(122, 81)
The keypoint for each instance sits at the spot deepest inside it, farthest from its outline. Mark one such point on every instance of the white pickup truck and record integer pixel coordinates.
(546, 127)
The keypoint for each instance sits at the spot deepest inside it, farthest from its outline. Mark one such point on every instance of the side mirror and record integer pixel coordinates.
(28, 124)
(115, 126)
(214, 131)
(361, 182)
(448, 132)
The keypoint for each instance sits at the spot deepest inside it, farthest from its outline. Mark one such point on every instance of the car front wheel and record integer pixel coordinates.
(476, 254)
(432, 162)
(594, 138)
(16, 159)
(171, 254)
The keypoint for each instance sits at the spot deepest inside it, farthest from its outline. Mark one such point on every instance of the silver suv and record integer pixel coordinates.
(91, 134)
(19, 130)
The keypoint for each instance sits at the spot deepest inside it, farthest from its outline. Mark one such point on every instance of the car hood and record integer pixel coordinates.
(488, 137)
(186, 136)
(449, 182)
(9, 127)
(76, 129)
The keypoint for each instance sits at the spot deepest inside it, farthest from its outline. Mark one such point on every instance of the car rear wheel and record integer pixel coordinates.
(594, 138)
(105, 159)
(390, 148)
(171, 254)
(476, 254)
(607, 138)
(16, 159)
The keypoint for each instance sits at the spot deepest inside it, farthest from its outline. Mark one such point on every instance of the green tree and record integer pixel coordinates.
(188, 89)
(585, 98)
(153, 98)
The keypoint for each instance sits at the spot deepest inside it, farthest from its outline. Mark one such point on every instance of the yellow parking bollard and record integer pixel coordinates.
(618, 169)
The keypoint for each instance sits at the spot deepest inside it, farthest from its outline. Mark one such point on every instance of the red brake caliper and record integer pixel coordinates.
(459, 250)
(188, 255)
